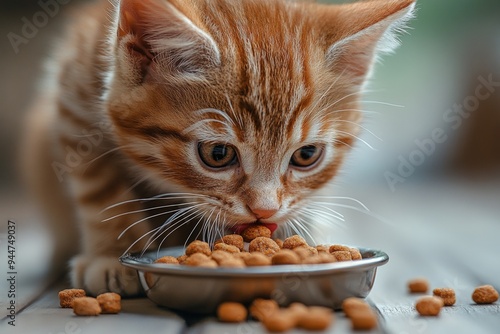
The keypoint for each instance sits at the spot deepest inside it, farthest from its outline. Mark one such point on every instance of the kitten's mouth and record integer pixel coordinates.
(238, 229)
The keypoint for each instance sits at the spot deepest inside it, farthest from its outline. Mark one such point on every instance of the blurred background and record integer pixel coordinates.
(432, 117)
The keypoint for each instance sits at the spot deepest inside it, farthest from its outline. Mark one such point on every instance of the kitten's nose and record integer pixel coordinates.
(263, 213)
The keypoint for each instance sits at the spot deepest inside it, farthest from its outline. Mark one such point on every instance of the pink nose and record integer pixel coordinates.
(263, 213)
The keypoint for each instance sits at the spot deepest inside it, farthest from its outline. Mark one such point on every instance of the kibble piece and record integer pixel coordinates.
(226, 248)
(200, 260)
(323, 249)
(316, 318)
(110, 302)
(280, 321)
(279, 242)
(167, 260)
(198, 246)
(352, 304)
(485, 294)
(429, 305)
(342, 255)
(182, 258)
(67, 296)
(257, 259)
(264, 245)
(232, 262)
(298, 310)
(262, 308)
(294, 241)
(355, 254)
(418, 285)
(363, 320)
(86, 306)
(285, 256)
(305, 251)
(242, 255)
(219, 255)
(447, 294)
(234, 240)
(231, 312)
(255, 231)
(338, 248)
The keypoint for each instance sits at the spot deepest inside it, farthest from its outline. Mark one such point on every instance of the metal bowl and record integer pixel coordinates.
(201, 290)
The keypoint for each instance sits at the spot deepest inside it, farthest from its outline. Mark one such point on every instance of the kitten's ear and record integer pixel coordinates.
(160, 38)
(363, 30)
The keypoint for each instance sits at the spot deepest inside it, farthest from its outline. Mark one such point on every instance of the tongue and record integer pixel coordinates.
(238, 229)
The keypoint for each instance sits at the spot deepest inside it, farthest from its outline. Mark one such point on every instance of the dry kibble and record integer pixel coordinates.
(226, 248)
(231, 312)
(167, 260)
(255, 231)
(447, 294)
(200, 260)
(262, 308)
(338, 248)
(298, 310)
(363, 320)
(110, 302)
(198, 246)
(294, 241)
(485, 294)
(352, 304)
(234, 240)
(285, 256)
(242, 255)
(264, 245)
(182, 258)
(67, 296)
(316, 318)
(305, 251)
(355, 254)
(257, 259)
(219, 255)
(323, 249)
(418, 285)
(232, 262)
(342, 255)
(429, 305)
(279, 242)
(280, 321)
(86, 306)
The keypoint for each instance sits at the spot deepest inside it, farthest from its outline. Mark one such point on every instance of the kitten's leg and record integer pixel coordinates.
(97, 269)
(51, 195)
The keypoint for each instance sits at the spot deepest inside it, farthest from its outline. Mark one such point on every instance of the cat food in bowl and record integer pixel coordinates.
(201, 289)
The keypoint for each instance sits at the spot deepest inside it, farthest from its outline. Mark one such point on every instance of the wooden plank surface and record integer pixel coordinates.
(448, 234)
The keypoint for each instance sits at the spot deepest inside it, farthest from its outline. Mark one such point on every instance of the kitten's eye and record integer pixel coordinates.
(216, 155)
(306, 156)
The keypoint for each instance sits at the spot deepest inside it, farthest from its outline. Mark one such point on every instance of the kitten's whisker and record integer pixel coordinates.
(331, 212)
(87, 164)
(339, 198)
(169, 223)
(302, 227)
(361, 126)
(358, 138)
(187, 219)
(166, 196)
(149, 209)
(153, 216)
(383, 103)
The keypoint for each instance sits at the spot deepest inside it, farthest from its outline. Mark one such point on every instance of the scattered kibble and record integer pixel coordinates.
(67, 296)
(418, 285)
(86, 306)
(485, 294)
(231, 312)
(429, 305)
(447, 294)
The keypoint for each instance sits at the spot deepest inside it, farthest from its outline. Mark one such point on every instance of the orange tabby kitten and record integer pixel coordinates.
(206, 114)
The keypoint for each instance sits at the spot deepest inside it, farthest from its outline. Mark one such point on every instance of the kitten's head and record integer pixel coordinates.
(252, 103)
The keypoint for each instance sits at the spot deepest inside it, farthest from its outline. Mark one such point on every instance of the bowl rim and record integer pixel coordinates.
(144, 263)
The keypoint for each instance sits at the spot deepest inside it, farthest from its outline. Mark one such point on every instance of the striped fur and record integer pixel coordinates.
(138, 84)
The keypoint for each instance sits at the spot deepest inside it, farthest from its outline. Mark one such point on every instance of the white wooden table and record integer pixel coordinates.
(448, 233)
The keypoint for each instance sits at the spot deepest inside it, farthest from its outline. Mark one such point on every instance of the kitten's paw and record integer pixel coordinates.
(101, 274)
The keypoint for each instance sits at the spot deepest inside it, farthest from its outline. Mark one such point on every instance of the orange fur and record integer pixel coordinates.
(159, 78)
